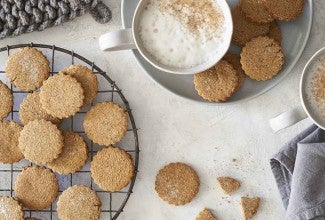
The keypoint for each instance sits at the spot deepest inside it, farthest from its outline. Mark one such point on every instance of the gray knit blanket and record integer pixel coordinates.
(24, 16)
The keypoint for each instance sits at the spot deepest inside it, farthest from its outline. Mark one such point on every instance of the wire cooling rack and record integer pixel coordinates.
(113, 203)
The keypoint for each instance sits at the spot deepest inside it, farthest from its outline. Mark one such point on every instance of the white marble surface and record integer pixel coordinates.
(205, 136)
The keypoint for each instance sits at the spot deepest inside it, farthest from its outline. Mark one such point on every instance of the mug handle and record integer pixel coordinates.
(117, 40)
(288, 118)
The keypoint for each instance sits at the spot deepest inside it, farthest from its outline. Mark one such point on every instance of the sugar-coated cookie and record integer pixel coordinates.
(6, 100)
(10, 209)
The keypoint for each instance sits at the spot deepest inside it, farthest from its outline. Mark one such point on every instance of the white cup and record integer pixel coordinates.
(308, 108)
(130, 39)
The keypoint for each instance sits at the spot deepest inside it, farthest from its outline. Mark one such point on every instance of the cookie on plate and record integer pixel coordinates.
(255, 10)
(217, 83)
(10, 209)
(40, 141)
(262, 58)
(275, 32)
(6, 101)
(9, 150)
(105, 123)
(286, 10)
(79, 202)
(73, 156)
(205, 214)
(112, 169)
(31, 109)
(36, 187)
(249, 206)
(86, 78)
(27, 69)
(234, 60)
(228, 185)
(61, 96)
(177, 183)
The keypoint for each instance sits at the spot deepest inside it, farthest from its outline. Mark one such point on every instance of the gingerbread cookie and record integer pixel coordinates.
(61, 96)
(73, 156)
(106, 123)
(79, 202)
(234, 60)
(40, 141)
(27, 69)
(262, 58)
(36, 187)
(205, 214)
(255, 10)
(249, 206)
(275, 32)
(286, 10)
(6, 101)
(10, 209)
(228, 185)
(112, 169)
(9, 150)
(177, 183)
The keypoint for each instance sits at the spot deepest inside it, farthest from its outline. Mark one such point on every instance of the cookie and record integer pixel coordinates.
(112, 169)
(31, 109)
(9, 150)
(217, 83)
(27, 69)
(205, 214)
(79, 202)
(228, 185)
(86, 78)
(244, 29)
(262, 58)
(249, 206)
(177, 183)
(286, 10)
(275, 32)
(255, 11)
(106, 123)
(10, 209)
(61, 96)
(234, 60)
(36, 187)
(40, 141)
(73, 156)
(6, 101)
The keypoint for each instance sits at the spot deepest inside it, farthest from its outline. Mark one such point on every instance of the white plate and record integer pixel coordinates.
(295, 36)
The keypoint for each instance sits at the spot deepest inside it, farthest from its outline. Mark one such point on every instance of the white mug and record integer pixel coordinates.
(299, 113)
(130, 39)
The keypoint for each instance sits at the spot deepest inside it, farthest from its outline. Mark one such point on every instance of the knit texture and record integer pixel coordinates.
(24, 16)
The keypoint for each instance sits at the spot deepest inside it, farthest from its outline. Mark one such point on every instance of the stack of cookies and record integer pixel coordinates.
(257, 33)
(39, 139)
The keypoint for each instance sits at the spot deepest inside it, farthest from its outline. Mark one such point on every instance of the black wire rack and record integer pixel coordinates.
(109, 95)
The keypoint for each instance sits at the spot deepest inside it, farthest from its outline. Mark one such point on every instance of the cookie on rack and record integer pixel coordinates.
(105, 123)
(286, 10)
(6, 100)
(9, 150)
(262, 58)
(275, 32)
(61, 96)
(40, 141)
(36, 187)
(234, 60)
(31, 109)
(177, 183)
(79, 202)
(10, 209)
(256, 11)
(86, 78)
(27, 69)
(249, 206)
(112, 169)
(228, 185)
(205, 214)
(73, 156)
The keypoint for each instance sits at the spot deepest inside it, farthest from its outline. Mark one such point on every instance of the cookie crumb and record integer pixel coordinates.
(249, 206)
(228, 185)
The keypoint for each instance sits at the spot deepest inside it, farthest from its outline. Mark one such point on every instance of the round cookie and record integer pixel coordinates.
(73, 156)
(245, 30)
(112, 169)
(275, 32)
(40, 141)
(217, 83)
(31, 109)
(61, 96)
(234, 60)
(27, 69)
(36, 187)
(79, 202)
(262, 58)
(86, 78)
(286, 10)
(177, 183)
(6, 101)
(10, 209)
(105, 123)
(255, 10)
(9, 150)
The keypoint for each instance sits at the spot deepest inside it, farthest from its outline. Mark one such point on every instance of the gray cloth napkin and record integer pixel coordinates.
(299, 170)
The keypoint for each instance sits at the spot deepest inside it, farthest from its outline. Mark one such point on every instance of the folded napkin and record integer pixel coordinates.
(299, 170)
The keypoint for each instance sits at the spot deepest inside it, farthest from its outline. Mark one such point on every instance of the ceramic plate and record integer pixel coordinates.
(295, 36)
